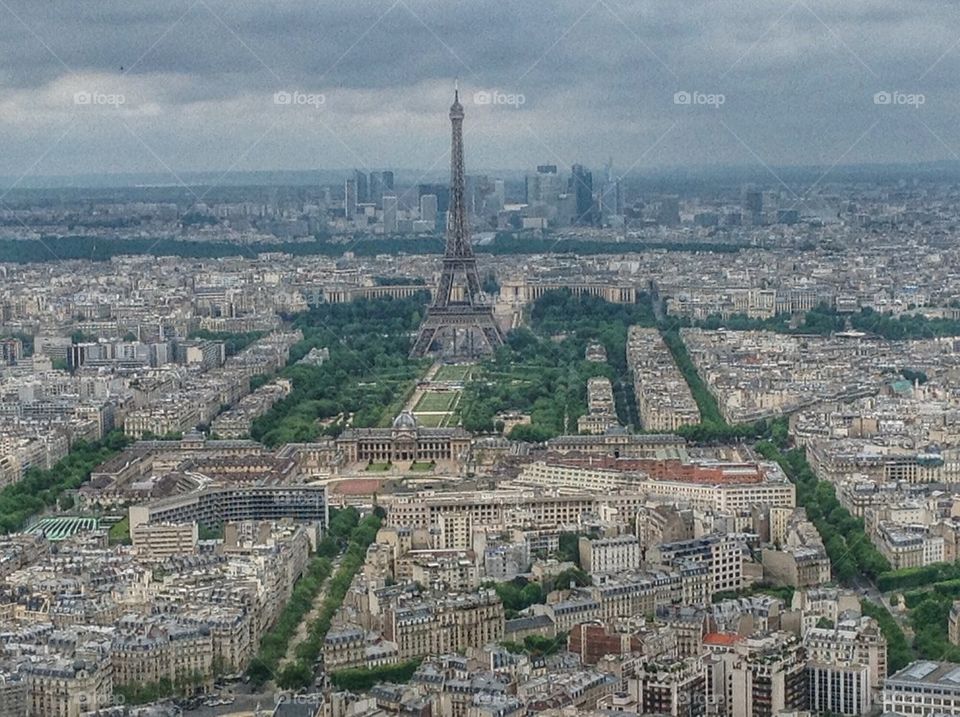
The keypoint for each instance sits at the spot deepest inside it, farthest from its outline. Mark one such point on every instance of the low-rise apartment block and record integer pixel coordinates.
(923, 688)
(601, 413)
(609, 555)
(663, 397)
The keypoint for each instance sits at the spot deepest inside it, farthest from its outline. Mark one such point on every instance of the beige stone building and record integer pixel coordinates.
(609, 555)
(150, 651)
(451, 624)
(601, 412)
(68, 688)
(953, 623)
(405, 441)
(161, 540)
(852, 642)
(664, 400)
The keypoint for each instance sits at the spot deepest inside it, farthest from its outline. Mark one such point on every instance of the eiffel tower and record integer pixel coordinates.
(459, 323)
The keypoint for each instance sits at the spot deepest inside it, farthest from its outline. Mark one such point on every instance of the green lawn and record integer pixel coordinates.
(120, 532)
(453, 372)
(421, 467)
(431, 420)
(378, 467)
(432, 401)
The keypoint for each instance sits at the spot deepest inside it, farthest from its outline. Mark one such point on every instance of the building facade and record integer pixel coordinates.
(405, 441)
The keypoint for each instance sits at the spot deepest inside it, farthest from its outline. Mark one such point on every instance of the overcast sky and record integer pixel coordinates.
(760, 82)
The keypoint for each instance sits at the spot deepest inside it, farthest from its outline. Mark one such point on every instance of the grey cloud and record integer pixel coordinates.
(598, 79)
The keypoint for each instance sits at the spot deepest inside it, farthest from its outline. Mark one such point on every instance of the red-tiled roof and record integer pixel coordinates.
(671, 469)
(726, 639)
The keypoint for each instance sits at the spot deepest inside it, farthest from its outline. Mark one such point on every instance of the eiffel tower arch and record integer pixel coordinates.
(459, 322)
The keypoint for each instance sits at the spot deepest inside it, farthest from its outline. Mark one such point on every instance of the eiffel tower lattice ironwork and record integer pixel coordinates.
(459, 322)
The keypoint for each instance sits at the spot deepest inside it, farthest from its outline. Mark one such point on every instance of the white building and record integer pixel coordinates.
(721, 553)
(846, 663)
(923, 688)
(610, 555)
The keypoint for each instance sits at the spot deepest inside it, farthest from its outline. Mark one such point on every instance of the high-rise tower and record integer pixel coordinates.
(459, 322)
(582, 186)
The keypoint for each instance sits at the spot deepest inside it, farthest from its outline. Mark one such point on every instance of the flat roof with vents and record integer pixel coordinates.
(943, 675)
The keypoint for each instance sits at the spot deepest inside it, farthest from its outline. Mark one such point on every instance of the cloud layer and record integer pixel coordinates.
(368, 83)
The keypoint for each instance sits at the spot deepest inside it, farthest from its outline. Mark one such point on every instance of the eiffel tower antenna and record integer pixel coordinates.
(459, 322)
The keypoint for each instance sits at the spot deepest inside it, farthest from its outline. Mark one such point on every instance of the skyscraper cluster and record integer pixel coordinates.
(553, 200)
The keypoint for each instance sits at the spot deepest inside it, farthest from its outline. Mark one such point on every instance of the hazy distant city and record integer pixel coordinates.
(445, 360)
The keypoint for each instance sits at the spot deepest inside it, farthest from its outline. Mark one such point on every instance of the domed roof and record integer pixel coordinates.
(405, 420)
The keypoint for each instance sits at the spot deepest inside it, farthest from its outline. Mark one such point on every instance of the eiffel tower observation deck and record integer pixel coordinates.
(459, 322)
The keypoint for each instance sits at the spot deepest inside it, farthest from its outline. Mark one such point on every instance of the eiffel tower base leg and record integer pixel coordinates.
(457, 336)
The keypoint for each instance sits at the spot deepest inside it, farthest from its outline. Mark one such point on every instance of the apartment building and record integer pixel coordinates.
(162, 540)
(722, 554)
(815, 603)
(489, 508)
(443, 570)
(625, 596)
(802, 559)
(767, 676)
(58, 687)
(664, 400)
(231, 635)
(343, 647)
(451, 623)
(13, 694)
(11, 351)
(844, 666)
(908, 546)
(609, 555)
(147, 651)
(923, 688)
(219, 504)
(202, 353)
(712, 485)
(601, 412)
(669, 687)
(176, 415)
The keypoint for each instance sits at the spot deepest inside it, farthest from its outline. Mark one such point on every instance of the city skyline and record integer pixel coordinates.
(418, 359)
(208, 86)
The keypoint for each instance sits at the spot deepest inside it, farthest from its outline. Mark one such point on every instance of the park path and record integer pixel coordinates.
(422, 384)
(303, 628)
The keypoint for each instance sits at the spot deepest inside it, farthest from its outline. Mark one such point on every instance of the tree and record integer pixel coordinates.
(40, 489)
(79, 337)
(571, 576)
(569, 549)
(295, 675)
(531, 433)
(362, 679)
(258, 671)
